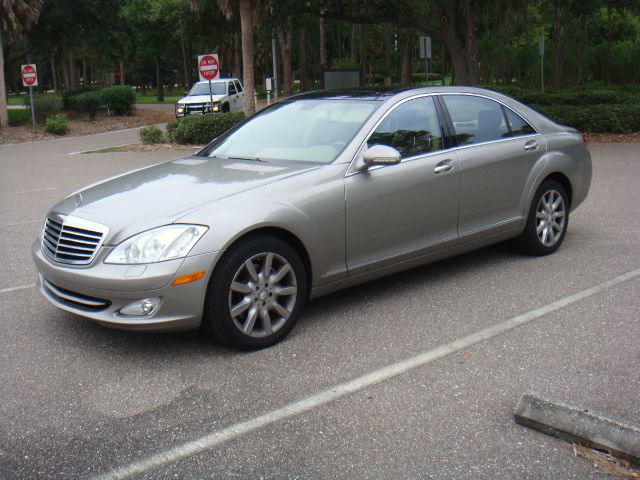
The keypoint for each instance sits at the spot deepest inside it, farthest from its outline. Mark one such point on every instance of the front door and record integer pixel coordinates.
(402, 211)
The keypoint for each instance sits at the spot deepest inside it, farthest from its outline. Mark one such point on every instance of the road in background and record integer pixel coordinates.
(78, 400)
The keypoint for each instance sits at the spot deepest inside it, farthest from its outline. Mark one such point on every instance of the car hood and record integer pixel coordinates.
(161, 194)
(200, 99)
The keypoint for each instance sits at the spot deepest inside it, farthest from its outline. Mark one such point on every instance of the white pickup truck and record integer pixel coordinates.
(227, 95)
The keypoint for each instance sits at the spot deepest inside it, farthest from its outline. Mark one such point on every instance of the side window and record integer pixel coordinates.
(238, 86)
(232, 89)
(412, 128)
(476, 119)
(519, 125)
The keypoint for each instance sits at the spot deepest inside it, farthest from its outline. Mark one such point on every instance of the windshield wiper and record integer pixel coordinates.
(253, 159)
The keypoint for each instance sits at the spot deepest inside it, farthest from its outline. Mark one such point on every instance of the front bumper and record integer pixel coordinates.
(99, 291)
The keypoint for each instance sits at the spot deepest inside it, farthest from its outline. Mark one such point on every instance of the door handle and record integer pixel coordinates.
(531, 145)
(443, 166)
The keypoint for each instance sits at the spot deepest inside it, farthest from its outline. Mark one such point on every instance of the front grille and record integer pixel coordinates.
(71, 240)
(77, 300)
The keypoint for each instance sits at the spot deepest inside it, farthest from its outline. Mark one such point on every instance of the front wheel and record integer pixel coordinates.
(256, 294)
(547, 221)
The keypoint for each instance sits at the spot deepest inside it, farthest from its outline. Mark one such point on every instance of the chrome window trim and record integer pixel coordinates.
(353, 171)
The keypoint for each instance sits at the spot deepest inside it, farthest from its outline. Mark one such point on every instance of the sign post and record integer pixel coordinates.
(425, 54)
(209, 69)
(542, 64)
(30, 79)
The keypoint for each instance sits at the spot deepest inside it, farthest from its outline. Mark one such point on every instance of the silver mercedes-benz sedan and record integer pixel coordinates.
(311, 195)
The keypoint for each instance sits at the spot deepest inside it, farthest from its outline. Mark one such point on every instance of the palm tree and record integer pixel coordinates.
(248, 49)
(17, 16)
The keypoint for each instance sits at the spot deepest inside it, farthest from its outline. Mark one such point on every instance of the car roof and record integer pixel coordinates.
(384, 93)
(218, 80)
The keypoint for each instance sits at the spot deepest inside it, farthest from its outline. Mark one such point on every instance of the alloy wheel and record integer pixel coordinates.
(263, 294)
(550, 218)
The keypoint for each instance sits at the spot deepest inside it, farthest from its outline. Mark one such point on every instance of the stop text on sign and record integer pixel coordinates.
(208, 66)
(29, 75)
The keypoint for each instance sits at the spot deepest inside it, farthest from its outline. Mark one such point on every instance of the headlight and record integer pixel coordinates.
(157, 245)
(215, 106)
(179, 108)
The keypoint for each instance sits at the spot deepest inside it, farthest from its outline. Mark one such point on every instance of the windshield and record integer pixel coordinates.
(217, 88)
(303, 130)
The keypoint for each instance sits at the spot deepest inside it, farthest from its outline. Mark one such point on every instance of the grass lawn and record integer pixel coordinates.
(16, 99)
(152, 98)
(19, 117)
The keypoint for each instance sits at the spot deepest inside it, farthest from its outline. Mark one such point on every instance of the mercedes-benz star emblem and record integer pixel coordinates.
(78, 200)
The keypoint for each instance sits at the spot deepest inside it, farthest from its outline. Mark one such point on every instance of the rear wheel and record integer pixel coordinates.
(256, 293)
(547, 221)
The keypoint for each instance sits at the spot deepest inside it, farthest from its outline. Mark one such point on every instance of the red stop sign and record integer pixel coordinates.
(208, 67)
(29, 76)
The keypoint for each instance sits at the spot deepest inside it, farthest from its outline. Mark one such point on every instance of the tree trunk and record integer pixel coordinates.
(159, 87)
(285, 42)
(354, 43)
(54, 73)
(386, 45)
(237, 56)
(186, 79)
(72, 71)
(557, 40)
(471, 43)
(447, 17)
(121, 67)
(4, 114)
(248, 53)
(323, 43)
(502, 18)
(84, 72)
(608, 59)
(302, 59)
(64, 68)
(405, 65)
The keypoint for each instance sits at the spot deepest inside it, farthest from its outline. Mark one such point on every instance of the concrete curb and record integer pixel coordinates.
(576, 424)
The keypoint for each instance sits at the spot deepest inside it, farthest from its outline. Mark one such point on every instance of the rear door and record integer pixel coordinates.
(499, 150)
(399, 212)
(240, 95)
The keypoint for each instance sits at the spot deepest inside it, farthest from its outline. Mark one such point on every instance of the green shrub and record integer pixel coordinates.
(88, 102)
(20, 116)
(151, 134)
(201, 129)
(69, 97)
(58, 125)
(46, 106)
(622, 118)
(119, 99)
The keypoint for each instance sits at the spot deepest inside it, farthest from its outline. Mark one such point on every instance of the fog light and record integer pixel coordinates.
(141, 308)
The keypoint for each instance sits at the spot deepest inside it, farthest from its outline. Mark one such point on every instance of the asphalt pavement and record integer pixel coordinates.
(78, 400)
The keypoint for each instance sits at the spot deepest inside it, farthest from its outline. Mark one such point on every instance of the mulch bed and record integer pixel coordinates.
(80, 124)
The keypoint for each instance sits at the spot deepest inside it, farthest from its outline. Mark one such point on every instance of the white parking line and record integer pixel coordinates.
(26, 222)
(15, 289)
(359, 383)
(29, 191)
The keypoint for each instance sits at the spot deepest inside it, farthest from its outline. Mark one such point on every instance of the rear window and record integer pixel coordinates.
(519, 125)
(476, 119)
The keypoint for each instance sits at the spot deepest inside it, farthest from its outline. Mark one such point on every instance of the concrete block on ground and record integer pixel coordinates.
(580, 425)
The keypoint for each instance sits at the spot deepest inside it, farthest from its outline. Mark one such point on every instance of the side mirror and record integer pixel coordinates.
(380, 155)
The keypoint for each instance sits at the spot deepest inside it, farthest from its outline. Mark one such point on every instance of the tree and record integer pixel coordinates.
(17, 17)
(245, 9)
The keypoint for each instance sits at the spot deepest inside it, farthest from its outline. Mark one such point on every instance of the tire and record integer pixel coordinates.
(225, 108)
(543, 216)
(248, 309)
